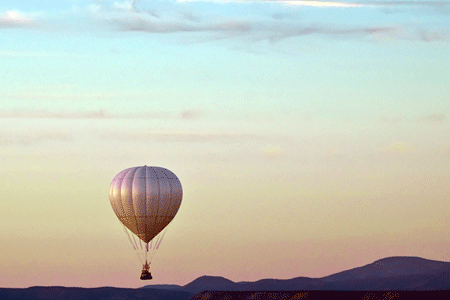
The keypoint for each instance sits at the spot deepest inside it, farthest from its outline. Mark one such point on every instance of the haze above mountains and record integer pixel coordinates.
(388, 274)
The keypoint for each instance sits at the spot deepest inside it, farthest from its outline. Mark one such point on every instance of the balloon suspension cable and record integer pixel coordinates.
(154, 244)
(137, 248)
(146, 252)
(160, 239)
(133, 244)
(142, 251)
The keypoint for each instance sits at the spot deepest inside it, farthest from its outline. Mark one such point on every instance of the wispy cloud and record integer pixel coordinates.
(94, 114)
(414, 32)
(15, 19)
(256, 28)
(171, 135)
(325, 4)
(433, 118)
(321, 3)
(45, 114)
(174, 17)
(190, 114)
(32, 137)
(275, 31)
(408, 3)
(292, 2)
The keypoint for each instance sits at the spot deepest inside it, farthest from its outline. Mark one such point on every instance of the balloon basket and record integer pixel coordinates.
(146, 275)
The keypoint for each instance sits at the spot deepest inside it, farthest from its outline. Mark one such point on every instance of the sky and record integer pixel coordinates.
(310, 137)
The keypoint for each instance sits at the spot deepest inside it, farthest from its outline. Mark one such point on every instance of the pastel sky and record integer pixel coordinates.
(310, 137)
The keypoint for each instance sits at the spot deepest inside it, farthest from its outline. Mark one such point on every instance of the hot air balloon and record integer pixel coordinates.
(145, 199)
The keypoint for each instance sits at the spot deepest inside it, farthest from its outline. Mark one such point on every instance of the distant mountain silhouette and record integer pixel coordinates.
(209, 283)
(217, 283)
(388, 274)
(392, 273)
(388, 267)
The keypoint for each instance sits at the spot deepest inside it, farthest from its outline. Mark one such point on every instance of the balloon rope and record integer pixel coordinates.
(137, 250)
(160, 239)
(146, 251)
(134, 247)
(144, 255)
(129, 238)
(156, 242)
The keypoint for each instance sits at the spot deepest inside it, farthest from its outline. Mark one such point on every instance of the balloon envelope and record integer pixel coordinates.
(145, 199)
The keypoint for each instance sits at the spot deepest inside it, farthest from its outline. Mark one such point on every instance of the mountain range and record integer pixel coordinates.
(389, 274)
(392, 273)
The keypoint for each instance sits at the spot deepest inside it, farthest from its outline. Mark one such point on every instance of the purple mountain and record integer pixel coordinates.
(392, 273)
(388, 267)
(388, 274)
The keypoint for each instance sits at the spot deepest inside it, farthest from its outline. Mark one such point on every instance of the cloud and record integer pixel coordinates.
(45, 114)
(408, 3)
(330, 4)
(178, 23)
(94, 8)
(94, 114)
(15, 19)
(321, 3)
(124, 6)
(190, 114)
(412, 32)
(325, 4)
(32, 137)
(259, 29)
(177, 136)
(433, 118)
(291, 2)
(232, 28)
(174, 17)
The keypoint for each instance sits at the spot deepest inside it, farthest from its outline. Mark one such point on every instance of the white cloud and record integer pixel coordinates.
(13, 19)
(94, 8)
(123, 6)
(322, 3)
